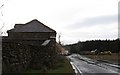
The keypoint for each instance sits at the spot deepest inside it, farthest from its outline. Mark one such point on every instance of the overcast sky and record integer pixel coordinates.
(75, 20)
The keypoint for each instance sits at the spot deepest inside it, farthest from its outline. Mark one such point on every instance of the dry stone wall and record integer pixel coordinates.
(18, 57)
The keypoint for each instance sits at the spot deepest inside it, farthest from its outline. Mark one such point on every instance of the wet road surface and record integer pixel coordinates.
(88, 66)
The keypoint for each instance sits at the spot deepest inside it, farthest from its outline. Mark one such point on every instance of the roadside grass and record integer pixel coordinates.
(114, 58)
(63, 68)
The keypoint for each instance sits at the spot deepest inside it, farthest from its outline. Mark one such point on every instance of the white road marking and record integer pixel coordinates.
(76, 68)
(73, 67)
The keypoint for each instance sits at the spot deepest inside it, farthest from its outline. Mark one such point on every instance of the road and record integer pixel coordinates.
(86, 66)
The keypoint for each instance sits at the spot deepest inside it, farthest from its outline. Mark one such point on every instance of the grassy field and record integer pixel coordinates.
(114, 58)
(64, 68)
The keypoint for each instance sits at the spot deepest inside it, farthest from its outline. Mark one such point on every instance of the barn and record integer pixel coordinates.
(29, 45)
(31, 31)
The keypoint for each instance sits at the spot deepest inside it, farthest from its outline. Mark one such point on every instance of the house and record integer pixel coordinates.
(32, 32)
(30, 45)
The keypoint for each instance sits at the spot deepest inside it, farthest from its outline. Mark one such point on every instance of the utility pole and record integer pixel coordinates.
(59, 36)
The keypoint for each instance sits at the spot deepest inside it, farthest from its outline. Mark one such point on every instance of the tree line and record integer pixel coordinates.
(100, 45)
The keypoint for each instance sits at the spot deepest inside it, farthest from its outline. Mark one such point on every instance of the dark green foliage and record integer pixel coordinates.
(100, 45)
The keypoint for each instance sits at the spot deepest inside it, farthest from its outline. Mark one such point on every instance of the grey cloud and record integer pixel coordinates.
(103, 20)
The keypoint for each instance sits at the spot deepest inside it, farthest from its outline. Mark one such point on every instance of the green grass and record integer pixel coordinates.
(63, 67)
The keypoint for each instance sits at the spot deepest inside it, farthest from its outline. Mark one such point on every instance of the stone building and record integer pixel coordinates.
(30, 45)
(31, 31)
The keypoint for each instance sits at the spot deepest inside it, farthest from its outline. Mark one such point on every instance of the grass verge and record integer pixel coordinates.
(63, 67)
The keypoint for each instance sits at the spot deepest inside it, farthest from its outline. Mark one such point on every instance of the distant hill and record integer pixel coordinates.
(100, 45)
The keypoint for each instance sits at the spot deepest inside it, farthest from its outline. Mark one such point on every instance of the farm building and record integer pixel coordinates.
(31, 31)
(30, 45)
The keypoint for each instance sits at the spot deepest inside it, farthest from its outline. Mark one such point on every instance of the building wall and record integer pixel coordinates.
(18, 58)
(23, 50)
(29, 35)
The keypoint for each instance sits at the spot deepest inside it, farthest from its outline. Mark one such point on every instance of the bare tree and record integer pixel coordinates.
(1, 15)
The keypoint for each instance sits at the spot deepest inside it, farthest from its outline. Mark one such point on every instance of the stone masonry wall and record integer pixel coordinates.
(18, 57)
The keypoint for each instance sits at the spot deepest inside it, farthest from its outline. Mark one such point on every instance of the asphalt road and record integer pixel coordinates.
(86, 66)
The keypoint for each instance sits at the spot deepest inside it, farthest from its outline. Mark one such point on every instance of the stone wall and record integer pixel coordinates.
(16, 57)
(19, 57)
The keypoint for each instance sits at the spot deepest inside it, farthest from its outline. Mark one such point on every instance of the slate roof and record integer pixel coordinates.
(32, 26)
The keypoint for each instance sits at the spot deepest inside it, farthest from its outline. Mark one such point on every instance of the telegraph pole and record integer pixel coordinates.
(59, 36)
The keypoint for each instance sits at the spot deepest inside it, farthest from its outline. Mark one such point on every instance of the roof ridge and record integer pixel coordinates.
(40, 23)
(33, 22)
